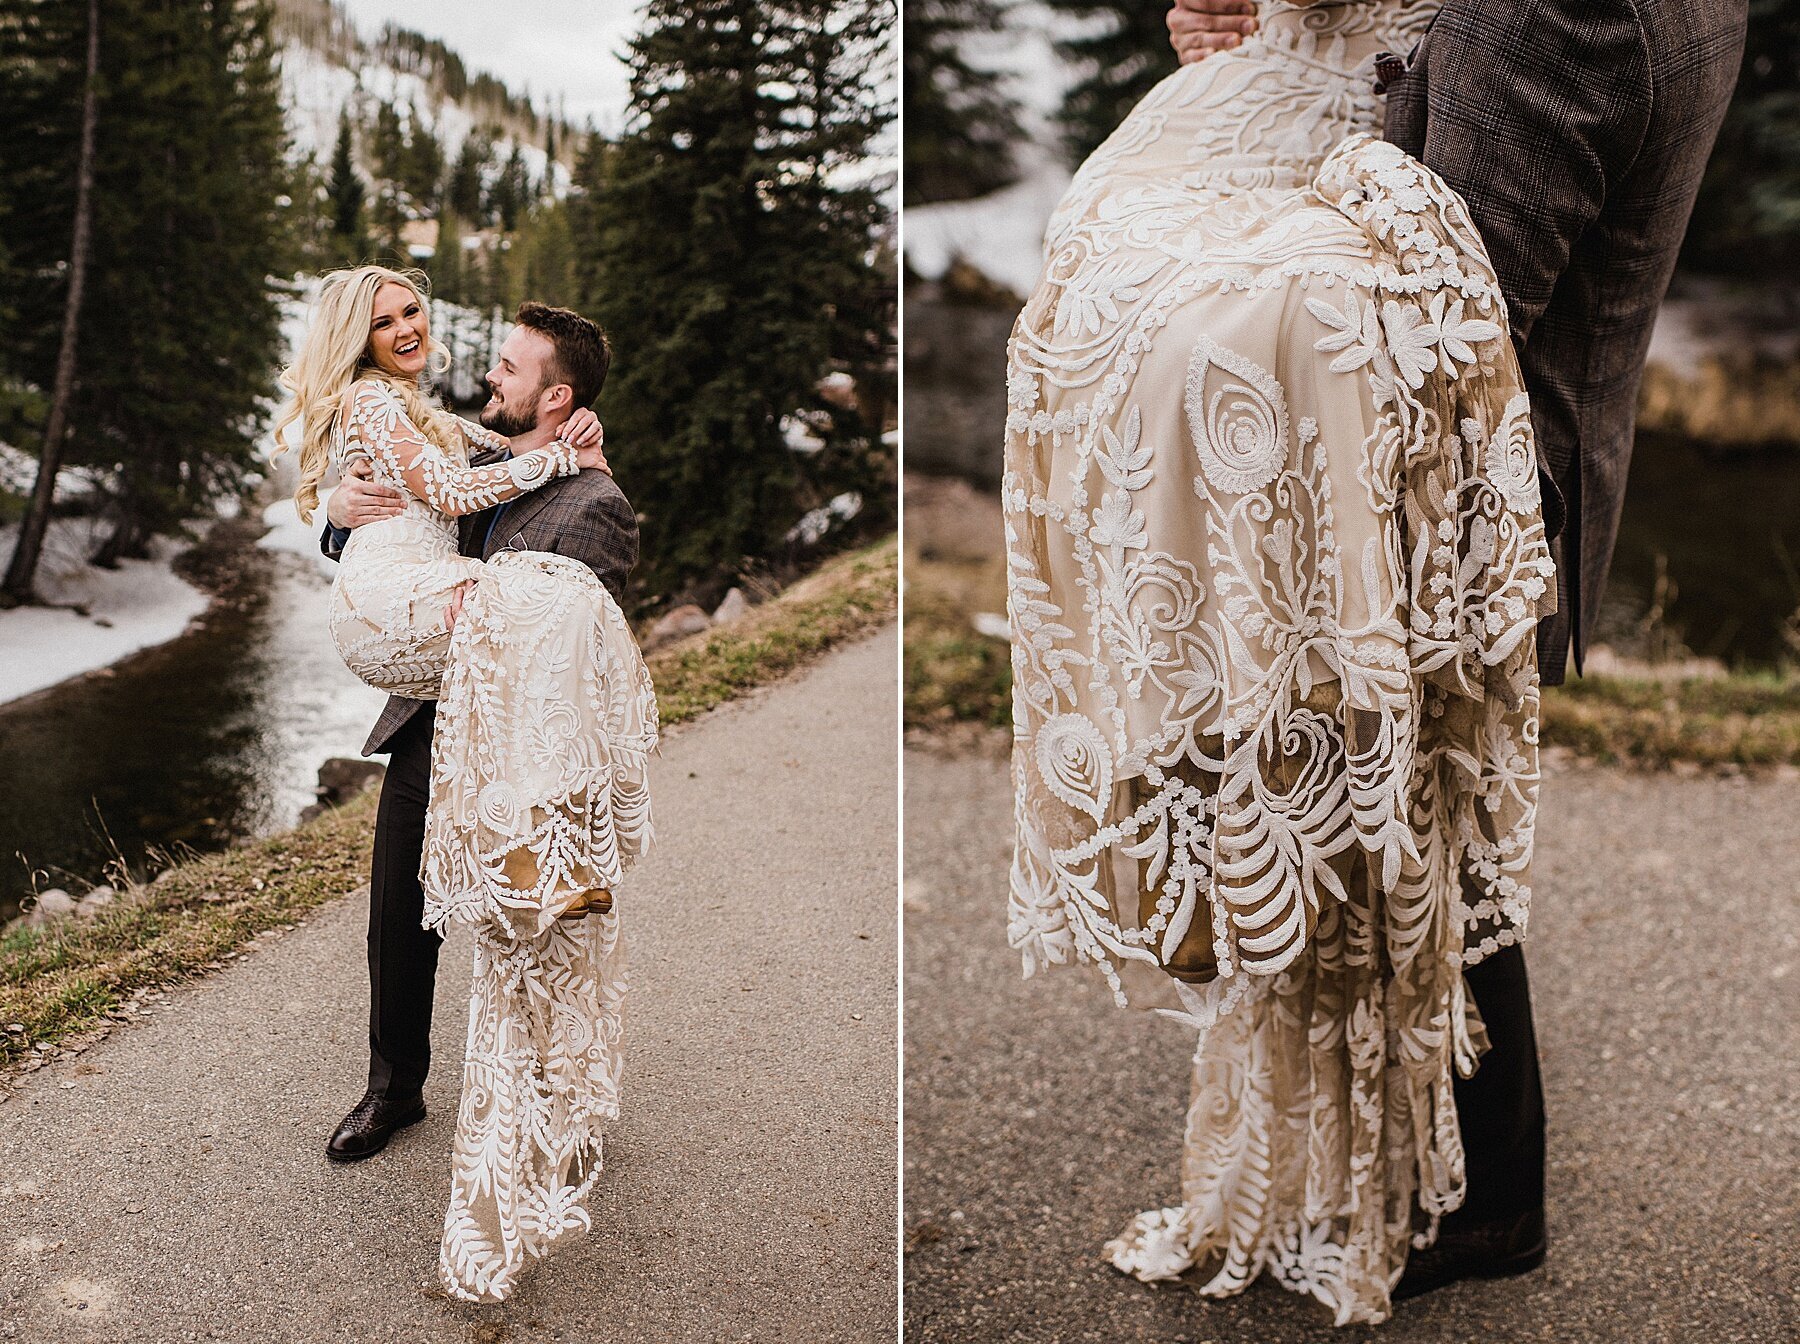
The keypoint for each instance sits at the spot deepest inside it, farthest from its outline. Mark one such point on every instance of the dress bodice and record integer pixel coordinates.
(1364, 26)
(1265, 114)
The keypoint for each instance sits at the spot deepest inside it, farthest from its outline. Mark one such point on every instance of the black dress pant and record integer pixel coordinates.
(403, 956)
(1501, 1108)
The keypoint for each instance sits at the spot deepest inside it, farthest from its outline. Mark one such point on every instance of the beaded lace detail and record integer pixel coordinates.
(378, 425)
(392, 634)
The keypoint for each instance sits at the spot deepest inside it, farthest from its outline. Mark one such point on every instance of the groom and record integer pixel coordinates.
(1577, 132)
(551, 364)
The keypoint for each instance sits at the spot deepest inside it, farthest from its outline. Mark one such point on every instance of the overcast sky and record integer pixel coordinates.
(549, 48)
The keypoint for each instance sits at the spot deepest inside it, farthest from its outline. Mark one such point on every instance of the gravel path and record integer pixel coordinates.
(1665, 960)
(170, 1183)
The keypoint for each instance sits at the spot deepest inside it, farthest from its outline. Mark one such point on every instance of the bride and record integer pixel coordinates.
(539, 797)
(1275, 561)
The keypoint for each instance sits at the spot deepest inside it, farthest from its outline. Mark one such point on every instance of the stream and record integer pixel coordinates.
(214, 737)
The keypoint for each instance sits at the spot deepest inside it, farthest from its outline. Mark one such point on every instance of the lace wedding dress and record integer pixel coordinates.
(539, 796)
(1275, 561)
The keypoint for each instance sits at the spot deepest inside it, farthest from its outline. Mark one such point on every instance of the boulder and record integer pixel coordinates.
(734, 607)
(340, 779)
(343, 777)
(42, 909)
(96, 900)
(684, 620)
(53, 904)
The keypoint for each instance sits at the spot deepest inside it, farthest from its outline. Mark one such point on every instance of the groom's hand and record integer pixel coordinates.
(1198, 28)
(359, 500)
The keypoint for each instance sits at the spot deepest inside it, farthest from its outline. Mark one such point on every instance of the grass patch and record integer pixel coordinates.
(1747, 719)
(72, 976)
(846, 597)
(955, 675)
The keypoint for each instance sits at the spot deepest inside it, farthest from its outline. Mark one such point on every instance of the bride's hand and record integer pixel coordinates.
(1198, 28)
(584, 430)
(454, 610)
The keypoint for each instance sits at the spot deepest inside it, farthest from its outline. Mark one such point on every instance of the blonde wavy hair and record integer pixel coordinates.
(334, 356)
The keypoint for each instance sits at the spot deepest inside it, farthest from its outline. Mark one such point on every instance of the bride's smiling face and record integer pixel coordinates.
(398, 333)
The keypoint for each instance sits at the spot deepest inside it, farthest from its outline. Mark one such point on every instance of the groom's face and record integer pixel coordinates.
(518, 382)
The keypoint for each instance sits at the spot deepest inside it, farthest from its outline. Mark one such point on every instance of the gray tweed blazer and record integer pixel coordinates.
(585, 517)
(1577, 131)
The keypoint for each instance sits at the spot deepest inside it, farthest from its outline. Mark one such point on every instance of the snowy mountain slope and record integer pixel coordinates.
(323, 74)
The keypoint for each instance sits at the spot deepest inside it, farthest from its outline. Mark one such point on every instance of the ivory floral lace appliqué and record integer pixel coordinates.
(1275, 562)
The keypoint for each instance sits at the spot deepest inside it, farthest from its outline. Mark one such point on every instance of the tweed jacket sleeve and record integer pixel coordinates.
(1531, 110)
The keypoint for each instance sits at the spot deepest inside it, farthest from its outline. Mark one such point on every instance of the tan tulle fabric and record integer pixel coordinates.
(539, 802)
(1276, 559)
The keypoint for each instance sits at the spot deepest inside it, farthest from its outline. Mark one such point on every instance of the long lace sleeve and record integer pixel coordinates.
(484, 438)
(379, 423)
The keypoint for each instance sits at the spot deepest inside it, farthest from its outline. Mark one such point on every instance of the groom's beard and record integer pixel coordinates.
(504, 420)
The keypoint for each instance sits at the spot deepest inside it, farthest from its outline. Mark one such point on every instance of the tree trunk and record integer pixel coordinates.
(128, 540)
(21, 574)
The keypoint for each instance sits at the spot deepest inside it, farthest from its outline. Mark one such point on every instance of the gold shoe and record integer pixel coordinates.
(595, 902)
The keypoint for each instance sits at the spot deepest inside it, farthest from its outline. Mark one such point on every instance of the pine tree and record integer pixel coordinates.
(448, 275)
(960, 125)
(21, 573)
(735, 200)
(345, 192)
(511, 192)
(422, 167)
(463, 195)
(43, 46)
(190, 261)
(547, 272)
(1747, 218)
(1124, 54)
(387, 144)
(187, 170)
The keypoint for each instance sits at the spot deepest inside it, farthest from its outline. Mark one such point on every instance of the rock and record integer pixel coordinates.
(96, 900)
(340, 779)
(45, 908)
(734, 607)
(684, 620)
(343, 777)
(53, 904)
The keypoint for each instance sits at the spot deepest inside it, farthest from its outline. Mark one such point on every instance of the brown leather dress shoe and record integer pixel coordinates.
(1496, 1250)
(367, 1129)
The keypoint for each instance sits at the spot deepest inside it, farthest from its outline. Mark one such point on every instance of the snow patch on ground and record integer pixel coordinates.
(1002, 234)
(290, 536)
(138, 605)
